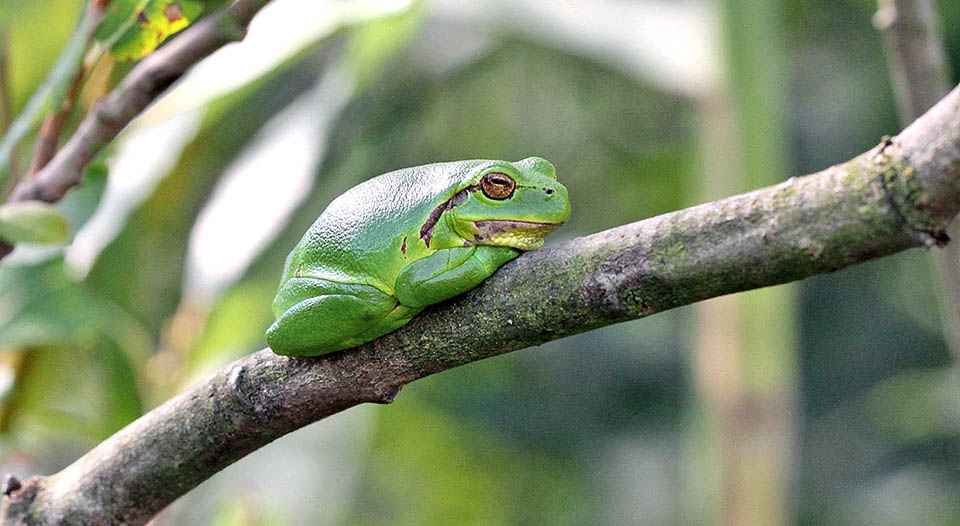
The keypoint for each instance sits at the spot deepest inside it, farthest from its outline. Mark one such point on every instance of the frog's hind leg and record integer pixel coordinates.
(397, 317)
(317, 316)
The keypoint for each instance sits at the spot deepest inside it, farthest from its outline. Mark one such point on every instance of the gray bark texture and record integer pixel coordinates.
(901, 194)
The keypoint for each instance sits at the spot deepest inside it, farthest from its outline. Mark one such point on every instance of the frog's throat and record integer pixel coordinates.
(522, 235)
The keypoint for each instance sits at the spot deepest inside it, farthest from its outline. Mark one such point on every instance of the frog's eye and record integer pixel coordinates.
(496, 185)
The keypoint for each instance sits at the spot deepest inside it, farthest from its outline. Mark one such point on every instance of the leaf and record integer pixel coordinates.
(158, 20)
(32, 222)
(81, 202)
(41, 306)
(119, 17)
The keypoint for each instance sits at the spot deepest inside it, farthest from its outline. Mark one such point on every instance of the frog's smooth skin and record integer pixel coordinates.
(399, 242)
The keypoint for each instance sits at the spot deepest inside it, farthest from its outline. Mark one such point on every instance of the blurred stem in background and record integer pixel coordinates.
(919, 75)
(7, 110)
(6, 103)
(745, 346)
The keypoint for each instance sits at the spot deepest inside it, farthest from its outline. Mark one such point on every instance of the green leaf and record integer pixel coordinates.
(32, 222)
(81, 202)
(119, 18)
(42, 306)
(158, 20)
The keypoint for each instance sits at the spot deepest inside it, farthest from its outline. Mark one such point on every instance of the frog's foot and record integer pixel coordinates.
(318, 316)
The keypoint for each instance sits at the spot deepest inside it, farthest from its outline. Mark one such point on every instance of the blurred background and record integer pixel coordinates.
(830, 401)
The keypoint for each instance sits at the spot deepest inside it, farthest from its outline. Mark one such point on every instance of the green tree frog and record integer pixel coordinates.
(388, 247)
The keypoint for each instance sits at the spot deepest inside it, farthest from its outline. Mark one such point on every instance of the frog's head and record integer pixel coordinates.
(510, 204)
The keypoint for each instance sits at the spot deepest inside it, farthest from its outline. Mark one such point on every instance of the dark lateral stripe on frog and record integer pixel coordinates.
(426, 231)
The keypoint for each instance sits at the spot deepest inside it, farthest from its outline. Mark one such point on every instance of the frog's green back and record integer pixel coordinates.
(358, 238)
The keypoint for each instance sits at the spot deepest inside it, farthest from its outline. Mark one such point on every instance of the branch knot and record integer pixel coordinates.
(907, 197)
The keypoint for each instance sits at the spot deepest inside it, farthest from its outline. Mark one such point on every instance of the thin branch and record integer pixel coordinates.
(51, 91)
(145, 82)
(899, 195)
(48, 137)
(919, 70)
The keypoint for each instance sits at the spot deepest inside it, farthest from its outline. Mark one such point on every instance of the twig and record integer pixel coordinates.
(51, 91)
(139, 88)
(892, 198)
(145, 82)
(48, 137)
(919, 71)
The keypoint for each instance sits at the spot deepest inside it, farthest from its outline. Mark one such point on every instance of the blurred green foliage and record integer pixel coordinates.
(152, 24)
(587, 430)
(32, 222)
(463, 473)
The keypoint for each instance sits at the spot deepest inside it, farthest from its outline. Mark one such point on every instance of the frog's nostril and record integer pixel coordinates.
(549, 191)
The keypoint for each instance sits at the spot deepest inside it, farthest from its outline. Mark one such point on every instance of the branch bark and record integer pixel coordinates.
(899, 195)
(145, 82)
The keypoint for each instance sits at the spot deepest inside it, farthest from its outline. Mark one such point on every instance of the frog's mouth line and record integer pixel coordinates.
(523, 235)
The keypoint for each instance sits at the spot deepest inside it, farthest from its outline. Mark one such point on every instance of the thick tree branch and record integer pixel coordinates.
(145, 82)
(899, 195)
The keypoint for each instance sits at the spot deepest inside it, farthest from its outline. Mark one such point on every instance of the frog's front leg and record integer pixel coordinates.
(449, 272)
(318, 316)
